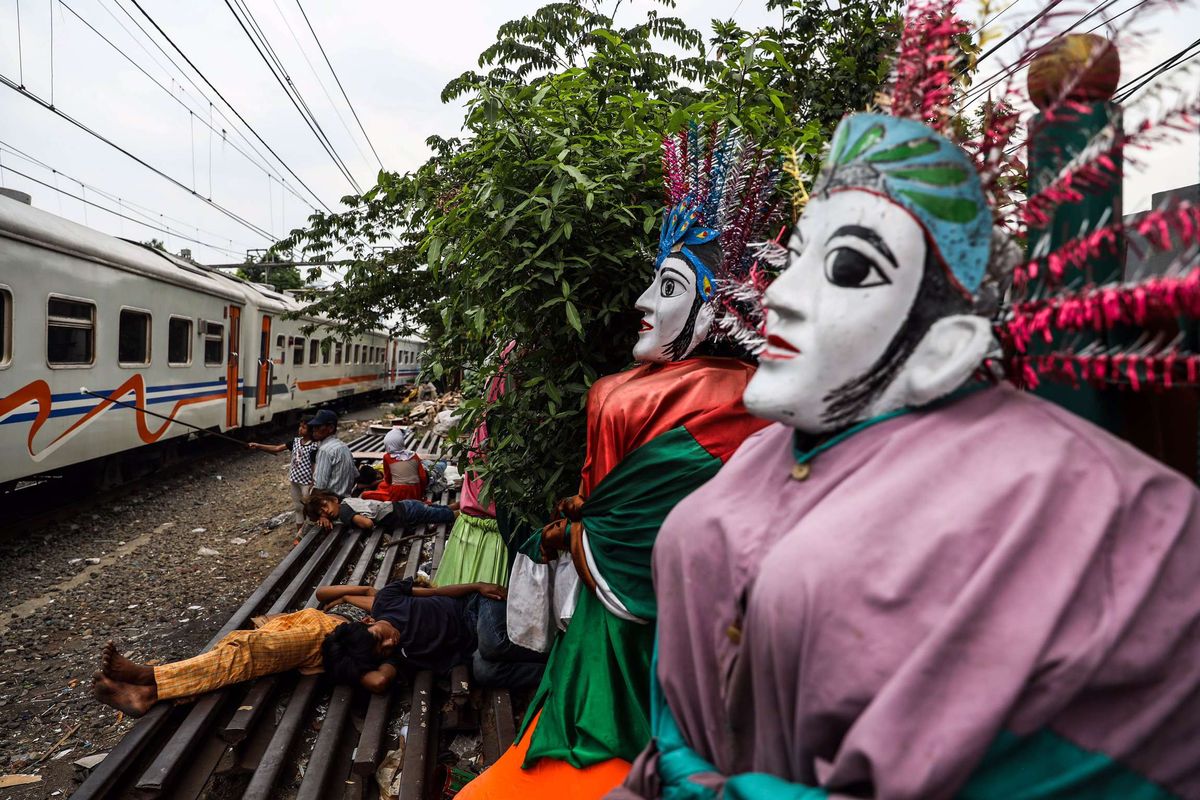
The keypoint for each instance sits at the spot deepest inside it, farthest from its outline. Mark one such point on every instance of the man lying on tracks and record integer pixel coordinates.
(326, 508)
(303, 640)
(427, 628)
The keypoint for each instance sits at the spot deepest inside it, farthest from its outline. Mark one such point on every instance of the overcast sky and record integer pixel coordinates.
(393, 59)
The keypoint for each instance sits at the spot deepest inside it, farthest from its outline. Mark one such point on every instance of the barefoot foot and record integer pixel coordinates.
(121, 669)
(127, 697)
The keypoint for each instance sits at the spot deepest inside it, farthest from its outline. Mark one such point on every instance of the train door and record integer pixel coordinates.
(263, 396)
(232, 390)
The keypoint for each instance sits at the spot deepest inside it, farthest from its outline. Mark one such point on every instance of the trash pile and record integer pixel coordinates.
(427, 413)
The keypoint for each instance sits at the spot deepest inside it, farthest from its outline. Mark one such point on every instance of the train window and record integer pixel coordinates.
(298, 351)
(214, 344)
(337, 352)
(6, 314)
(356, 355)
(326, 350)
(133, 338)
(70, 332)
(280, 349)
(314, 351)
(179, 341)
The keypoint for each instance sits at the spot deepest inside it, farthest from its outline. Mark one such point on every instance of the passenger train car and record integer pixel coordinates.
(91, 325)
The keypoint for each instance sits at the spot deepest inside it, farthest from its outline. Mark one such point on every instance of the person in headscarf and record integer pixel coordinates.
(404, 476)
(654, 433)
(917, 584)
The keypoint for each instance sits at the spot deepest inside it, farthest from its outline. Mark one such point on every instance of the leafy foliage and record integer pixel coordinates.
(536, 226)
(282, 278)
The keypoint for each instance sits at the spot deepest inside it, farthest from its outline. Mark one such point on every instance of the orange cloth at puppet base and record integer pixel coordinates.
(549, 779)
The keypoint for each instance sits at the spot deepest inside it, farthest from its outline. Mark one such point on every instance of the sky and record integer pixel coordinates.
(393, 59)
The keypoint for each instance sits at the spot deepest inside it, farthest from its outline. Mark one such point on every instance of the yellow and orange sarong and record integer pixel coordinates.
(279, 644)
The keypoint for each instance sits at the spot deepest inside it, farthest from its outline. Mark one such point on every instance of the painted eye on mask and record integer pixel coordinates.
(669, 287)
(852, 269)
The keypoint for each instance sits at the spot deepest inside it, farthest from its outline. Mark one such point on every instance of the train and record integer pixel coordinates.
(107, 346)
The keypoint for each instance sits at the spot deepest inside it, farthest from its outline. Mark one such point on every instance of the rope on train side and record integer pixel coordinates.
(136, 407)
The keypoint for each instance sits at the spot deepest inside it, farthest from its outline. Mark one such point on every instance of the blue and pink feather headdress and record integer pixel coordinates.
(720, 188)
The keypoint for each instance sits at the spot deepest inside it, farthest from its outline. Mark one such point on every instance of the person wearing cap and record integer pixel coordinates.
(300, 472)
(334, 471)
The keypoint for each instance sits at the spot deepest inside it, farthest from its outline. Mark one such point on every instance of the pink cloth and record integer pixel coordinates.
(468, 498)
(994, 565)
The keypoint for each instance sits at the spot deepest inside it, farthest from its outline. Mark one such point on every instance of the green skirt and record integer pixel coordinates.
(475, 552)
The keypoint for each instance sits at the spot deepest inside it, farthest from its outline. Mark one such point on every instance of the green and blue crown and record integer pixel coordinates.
(924, 173)
(682, 228)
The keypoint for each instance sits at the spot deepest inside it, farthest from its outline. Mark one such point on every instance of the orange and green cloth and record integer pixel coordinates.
(655, 434)
(281, 643)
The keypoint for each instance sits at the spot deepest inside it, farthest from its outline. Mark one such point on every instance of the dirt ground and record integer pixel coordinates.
(140, 570)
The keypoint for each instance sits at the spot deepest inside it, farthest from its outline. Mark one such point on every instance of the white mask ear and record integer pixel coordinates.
(946, 358)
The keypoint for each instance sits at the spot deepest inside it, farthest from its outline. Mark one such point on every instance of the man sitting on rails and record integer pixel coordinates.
(334, 470)
(417, 628)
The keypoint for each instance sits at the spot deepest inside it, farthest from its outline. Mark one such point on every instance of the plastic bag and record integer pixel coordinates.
(566, 590)
(530, 604)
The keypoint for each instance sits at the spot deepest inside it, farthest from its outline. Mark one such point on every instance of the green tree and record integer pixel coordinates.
(537, 225)
(263, 271)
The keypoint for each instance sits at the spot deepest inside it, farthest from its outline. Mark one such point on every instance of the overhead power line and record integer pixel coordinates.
(339, 83)
(996, 78)
(137, 208)
(151, 226)
(320, 81)
(1049, 7)
(1177, 60)
(58, 112)
(261, 165)
(996, 16)
(229, 105)
(285, 82)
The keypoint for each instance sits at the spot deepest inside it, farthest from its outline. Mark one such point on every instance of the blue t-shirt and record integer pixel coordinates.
(435, 632)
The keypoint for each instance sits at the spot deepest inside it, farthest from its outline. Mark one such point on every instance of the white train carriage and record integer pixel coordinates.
(404, 363)
(143, 331)
(295, 368)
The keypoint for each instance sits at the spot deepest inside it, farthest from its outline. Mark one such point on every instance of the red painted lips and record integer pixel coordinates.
(646, 326)
(779, 349)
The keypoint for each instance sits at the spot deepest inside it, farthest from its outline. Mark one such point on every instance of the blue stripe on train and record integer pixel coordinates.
(78, 410)
(69, 396)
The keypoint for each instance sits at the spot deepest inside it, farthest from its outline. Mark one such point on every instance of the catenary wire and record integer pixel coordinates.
(137, 208)
(4, 79)
(260, 165)
(339, 84)
(311, 123)
(1176, 60)
(160, 229)
(996, 16)
(293, 88)
(320, 82)
(229, 105)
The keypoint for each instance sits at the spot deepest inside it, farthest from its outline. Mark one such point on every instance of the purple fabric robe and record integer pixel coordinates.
(996, 564)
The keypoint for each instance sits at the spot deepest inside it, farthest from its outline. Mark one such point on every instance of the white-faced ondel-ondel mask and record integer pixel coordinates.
(720, 194)
(675, 315)
(878, 308)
